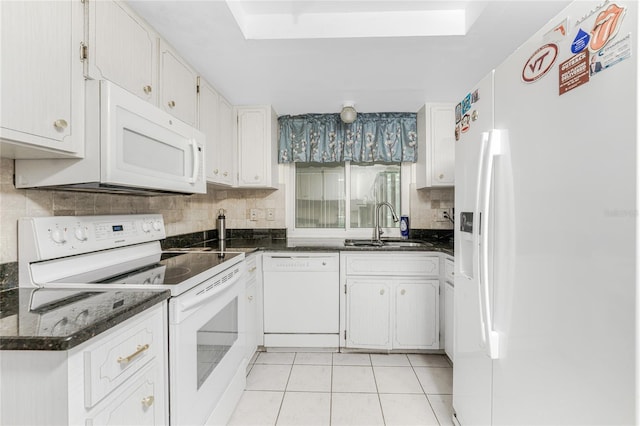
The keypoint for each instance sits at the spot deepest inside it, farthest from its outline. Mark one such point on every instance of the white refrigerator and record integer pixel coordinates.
(546, 239)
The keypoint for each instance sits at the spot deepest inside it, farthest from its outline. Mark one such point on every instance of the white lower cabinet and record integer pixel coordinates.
(254, 304)
(391, 301)
(416, 314)
(368, 313)
(449, 293)
(116, 378)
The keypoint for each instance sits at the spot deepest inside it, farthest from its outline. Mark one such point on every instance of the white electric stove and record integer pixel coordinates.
(206, 308)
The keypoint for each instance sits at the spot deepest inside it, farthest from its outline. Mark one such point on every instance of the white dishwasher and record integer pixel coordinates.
(301, 299)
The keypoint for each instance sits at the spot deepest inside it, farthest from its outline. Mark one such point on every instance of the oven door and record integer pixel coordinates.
(207, 346)
(145, 147)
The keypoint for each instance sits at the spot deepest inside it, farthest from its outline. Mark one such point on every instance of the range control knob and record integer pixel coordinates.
(146, 227)
(81, 233)
(157, 225)
(59, 236)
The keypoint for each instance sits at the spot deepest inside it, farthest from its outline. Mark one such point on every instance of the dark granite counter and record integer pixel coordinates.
(315, 244)
(249, 240)
(59, 319)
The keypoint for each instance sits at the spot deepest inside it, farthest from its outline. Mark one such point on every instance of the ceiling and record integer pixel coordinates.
(378, 72)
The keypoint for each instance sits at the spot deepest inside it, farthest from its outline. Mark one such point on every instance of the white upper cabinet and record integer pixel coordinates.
(436, 146)
(178, 85)
(122, 48)
(41, 81)
(215, 119)
(226, 145)
(257, 133)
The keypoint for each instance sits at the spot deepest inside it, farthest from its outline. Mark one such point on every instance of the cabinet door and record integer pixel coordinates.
(252, 139)
(41, 80)
(209, 124)
(436, 140)
(368, 313)
(252, 319)
(226, 150)
(448, 319)
(416, 324)
(443, 145)
(178, 86)
(122, 48)
(256, 147)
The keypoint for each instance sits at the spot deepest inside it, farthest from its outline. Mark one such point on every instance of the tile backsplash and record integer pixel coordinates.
(182, 214)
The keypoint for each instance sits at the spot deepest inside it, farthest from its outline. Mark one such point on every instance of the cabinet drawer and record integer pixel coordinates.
(396, 265)
(141, 402)
(251, 266)
(108, 365)
(449, 271)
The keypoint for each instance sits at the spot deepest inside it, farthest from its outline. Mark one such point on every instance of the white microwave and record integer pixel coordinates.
(131, 146)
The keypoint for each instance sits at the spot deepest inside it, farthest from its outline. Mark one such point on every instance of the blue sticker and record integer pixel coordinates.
(466, 104)
(580, 42)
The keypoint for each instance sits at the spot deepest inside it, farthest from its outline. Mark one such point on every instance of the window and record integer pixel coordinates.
(322, 192)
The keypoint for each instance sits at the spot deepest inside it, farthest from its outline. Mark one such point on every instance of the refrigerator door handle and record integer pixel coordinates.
(494, 148)
(477, 231)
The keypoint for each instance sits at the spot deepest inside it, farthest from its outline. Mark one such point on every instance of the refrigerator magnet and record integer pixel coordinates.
(539, 64)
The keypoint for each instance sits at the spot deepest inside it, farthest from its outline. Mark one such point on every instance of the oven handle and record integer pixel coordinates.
(208, 291)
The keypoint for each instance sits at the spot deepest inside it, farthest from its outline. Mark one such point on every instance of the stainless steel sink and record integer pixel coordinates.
(386, 243)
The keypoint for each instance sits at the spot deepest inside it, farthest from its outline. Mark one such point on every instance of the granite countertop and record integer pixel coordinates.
(249, 245)
(59, 319)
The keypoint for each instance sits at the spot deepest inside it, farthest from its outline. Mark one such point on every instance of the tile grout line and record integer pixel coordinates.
(384, 422)
(284, 393)
(425, 393)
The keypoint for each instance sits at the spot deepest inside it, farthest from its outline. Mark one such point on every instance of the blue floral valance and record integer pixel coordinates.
(324, 138)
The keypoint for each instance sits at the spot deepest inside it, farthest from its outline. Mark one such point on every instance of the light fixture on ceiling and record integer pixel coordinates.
(348, 114)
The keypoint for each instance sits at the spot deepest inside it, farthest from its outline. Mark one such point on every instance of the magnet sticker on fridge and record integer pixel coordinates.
(611, 54)
(466, 104)
(574, 72)
(465, 124)
(458, 113)
(475, 96)
(580, 42)
(539, 64)
(606, 27)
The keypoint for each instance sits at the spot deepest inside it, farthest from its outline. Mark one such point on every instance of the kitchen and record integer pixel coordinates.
(249, 208)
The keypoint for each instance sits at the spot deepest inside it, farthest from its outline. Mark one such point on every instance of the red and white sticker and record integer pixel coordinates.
(540, 63)
(605, 27)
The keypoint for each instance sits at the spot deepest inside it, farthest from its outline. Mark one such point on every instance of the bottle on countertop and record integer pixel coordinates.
(404, 227)
(222, 225)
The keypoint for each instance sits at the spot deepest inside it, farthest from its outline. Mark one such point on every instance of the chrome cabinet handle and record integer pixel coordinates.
(147, 89)
(250, 297)
(215, 172)
(256, 177)
(172, 104)
(381, 292)
(148, 401)
(60, 124)
(139, 350)
(225, 174)
(253, 268)
(403, 291)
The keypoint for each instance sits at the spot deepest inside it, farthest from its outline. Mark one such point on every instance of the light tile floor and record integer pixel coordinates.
(312, 388)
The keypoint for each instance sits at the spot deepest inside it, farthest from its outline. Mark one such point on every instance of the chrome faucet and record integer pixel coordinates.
(377, 232)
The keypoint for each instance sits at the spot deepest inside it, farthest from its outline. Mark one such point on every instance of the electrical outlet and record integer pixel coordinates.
(271, 214)
(253, 214)
(441, 215)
